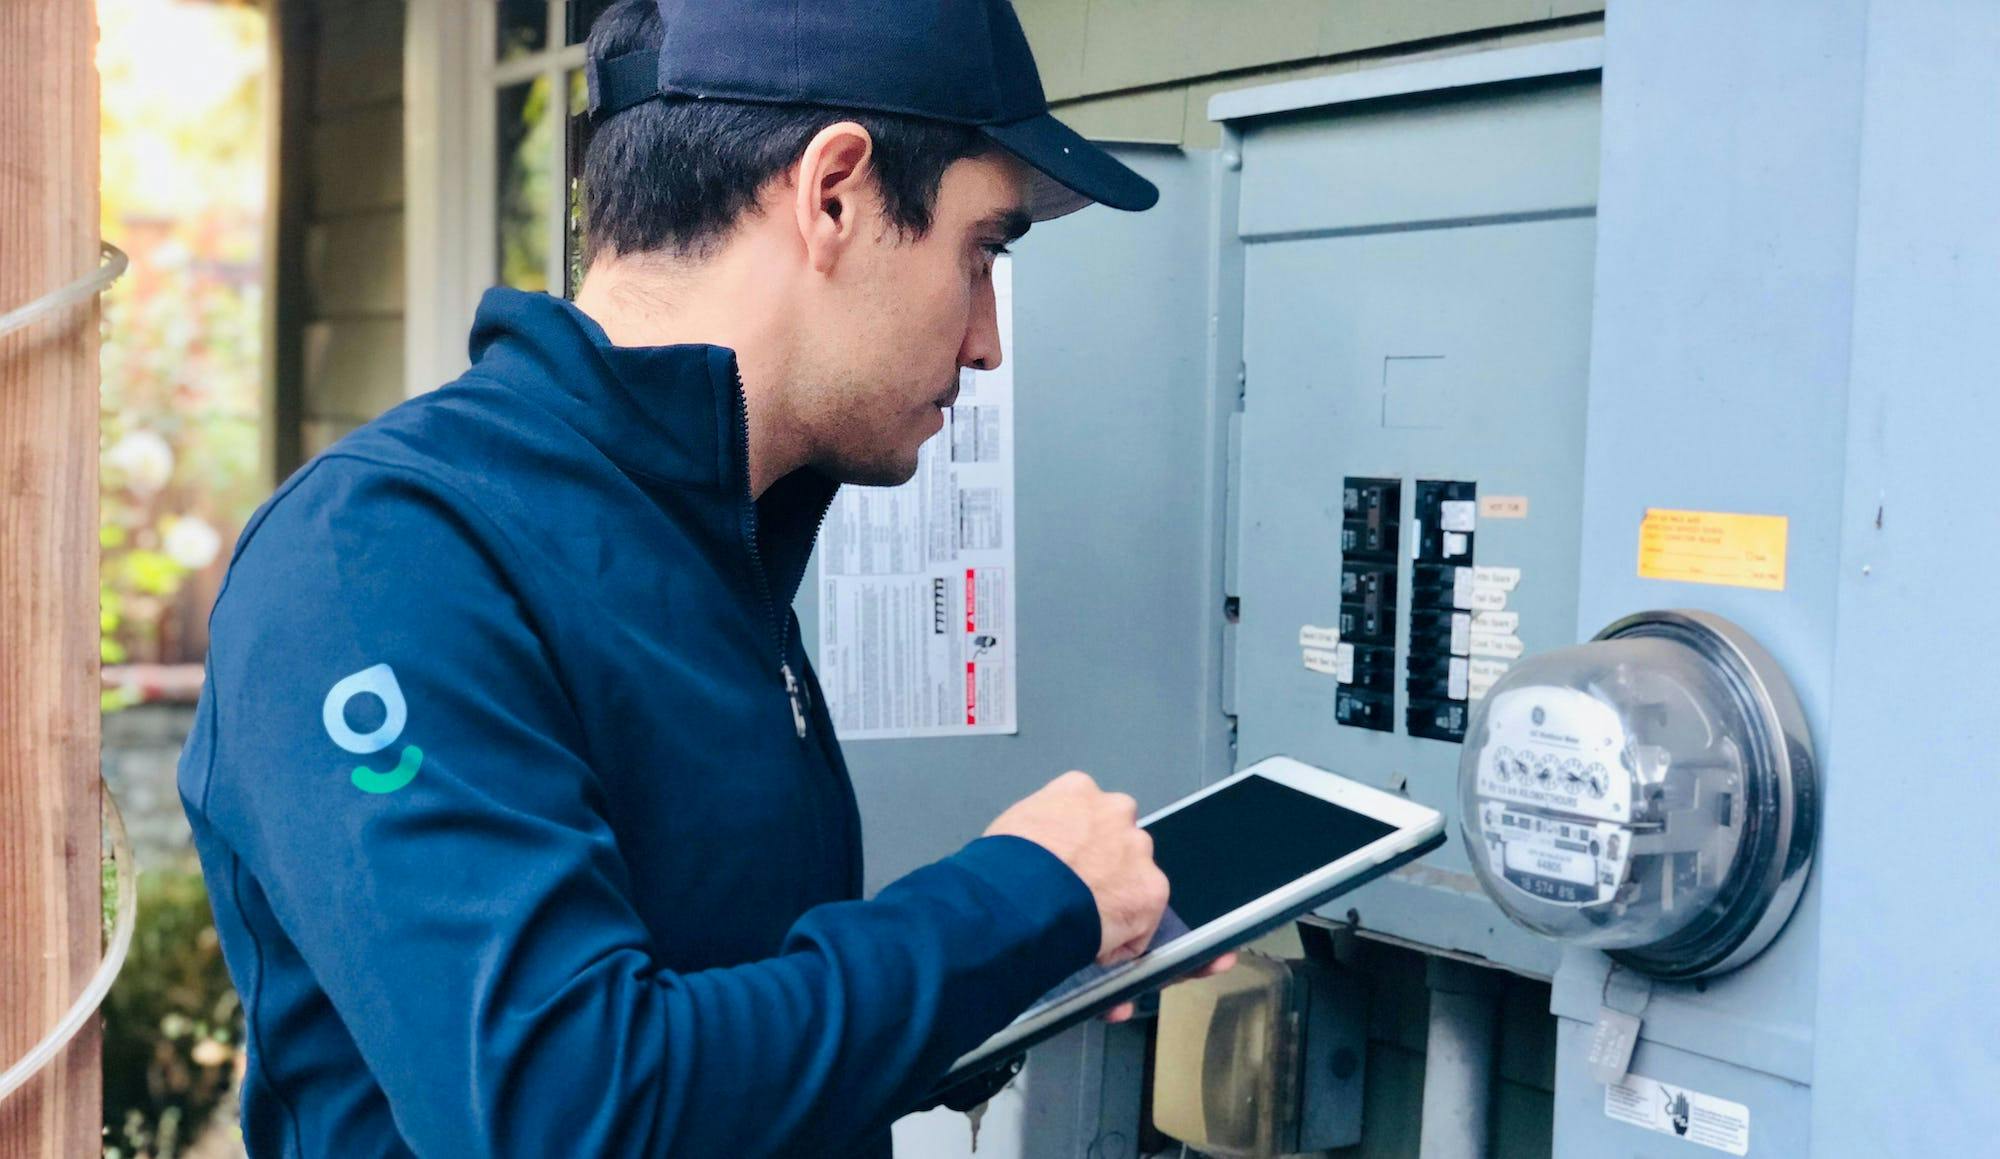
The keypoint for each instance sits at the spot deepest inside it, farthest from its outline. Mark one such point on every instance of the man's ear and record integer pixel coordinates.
(833, 197)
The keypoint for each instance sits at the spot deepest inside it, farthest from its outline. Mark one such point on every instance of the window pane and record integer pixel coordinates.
(579, 128)
(524, 27)
(583, 14)
(526, 194)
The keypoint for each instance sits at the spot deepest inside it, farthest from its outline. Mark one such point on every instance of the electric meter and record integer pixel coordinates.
(1650, 793)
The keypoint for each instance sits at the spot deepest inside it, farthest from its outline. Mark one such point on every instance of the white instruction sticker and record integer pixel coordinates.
(1506, 622)
(1316, 637)
(916, 616)
(1676, 1110)
(1488, 599)
(1321, 660)
(1505, 579)
(1502, 645)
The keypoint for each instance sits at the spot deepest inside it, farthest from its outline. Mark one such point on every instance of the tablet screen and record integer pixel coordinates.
(1232, 847)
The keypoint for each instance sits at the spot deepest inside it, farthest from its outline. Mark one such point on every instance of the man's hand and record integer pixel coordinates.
(1222, 965)
(1097, 835)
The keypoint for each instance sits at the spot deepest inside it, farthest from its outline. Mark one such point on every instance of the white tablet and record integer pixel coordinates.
(1242, 856)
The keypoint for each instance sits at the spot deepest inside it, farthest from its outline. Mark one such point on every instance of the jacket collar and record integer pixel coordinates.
(663, 414)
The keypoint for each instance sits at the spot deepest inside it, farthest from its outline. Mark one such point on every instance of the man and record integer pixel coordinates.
(526, 827)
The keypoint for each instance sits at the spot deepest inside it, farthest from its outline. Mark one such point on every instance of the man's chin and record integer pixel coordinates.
(875, 473)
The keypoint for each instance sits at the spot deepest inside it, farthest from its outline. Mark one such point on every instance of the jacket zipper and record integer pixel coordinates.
(781, 626)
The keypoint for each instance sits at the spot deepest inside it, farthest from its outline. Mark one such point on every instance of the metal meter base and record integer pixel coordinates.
(1650, 794)
(1767, 887)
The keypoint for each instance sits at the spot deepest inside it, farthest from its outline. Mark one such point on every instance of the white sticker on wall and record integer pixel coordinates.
(1507, 622)
(1315, 637)
(1504, 645)
(1678, 1111)
(1321, 660)
(917, 596)
(1503, 506)
(1505, 579)
(1488, 599)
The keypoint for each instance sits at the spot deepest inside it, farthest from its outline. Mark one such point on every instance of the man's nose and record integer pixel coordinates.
(981, 349)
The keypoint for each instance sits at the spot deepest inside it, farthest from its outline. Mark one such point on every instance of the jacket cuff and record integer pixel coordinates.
(1045, 890)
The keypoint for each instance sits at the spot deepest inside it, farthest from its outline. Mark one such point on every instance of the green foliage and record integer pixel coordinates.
(182, 180)
(173, 1028)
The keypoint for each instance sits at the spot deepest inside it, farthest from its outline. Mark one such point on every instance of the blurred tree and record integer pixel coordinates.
(183, 193)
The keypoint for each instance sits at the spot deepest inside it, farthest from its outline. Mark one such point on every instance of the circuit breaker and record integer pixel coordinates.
(1371, 520)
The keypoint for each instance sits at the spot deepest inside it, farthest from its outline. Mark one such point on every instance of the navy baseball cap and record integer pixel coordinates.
(965, 62)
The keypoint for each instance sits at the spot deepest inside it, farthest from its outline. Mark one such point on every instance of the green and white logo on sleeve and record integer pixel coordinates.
(380, 682)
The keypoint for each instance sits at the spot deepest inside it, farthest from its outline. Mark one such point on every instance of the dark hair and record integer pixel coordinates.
(676, 174)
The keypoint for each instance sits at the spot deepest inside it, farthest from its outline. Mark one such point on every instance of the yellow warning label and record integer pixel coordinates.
(1711, 547)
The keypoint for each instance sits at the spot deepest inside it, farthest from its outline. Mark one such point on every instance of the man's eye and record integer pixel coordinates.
(997, 249)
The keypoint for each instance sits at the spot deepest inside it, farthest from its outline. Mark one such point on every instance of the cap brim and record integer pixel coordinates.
(1070, 172)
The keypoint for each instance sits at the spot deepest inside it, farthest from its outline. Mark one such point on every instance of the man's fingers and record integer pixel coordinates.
(1221, 965)
(1133, 948)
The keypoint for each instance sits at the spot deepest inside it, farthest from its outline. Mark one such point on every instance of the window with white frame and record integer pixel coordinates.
(536, 87)
(493, 92)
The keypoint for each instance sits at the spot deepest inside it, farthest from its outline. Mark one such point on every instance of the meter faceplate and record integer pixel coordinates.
(1651, 793)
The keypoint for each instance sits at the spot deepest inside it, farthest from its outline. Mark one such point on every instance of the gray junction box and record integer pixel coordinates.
(1484, 312)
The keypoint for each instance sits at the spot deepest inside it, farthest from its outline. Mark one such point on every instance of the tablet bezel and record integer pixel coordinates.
(1417, 829)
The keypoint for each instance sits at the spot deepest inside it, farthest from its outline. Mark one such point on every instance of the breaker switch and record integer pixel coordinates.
(1363, 710)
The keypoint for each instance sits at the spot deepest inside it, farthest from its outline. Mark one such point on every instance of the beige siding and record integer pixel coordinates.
(1143, 70)
(354, 265)
(353, 367)
(347, 334)
(318, 434)
(360, 56)
(358, 160)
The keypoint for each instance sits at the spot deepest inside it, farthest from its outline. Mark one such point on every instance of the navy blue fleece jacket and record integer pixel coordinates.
(525, 826)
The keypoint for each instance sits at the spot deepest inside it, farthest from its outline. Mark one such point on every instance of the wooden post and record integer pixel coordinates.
(49, 830)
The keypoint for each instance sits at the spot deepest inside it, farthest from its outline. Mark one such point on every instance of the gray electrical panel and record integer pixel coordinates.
(1416, 351)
